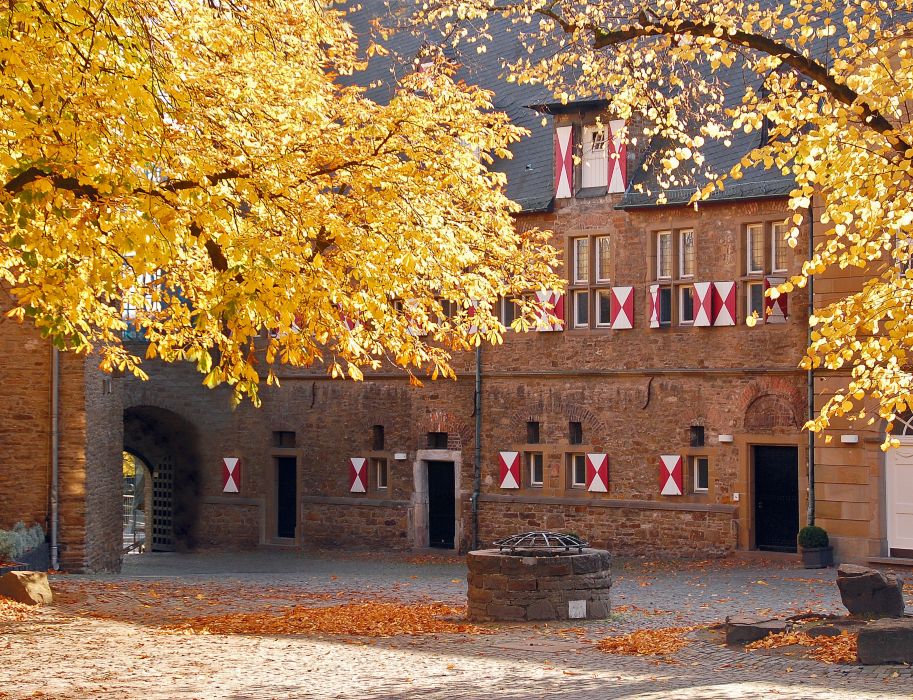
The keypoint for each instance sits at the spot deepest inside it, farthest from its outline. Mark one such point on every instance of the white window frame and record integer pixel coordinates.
(659, 255)
(776, 237)
(530, 465)
(694, 471)
(750, 231)
(507, 304)
(598, 260)
(682, 321)
(748, 310)
(575, 243)
(681, 253)
(608, 322)
(378, 463)
(572, 462)
(575, 294)
(594, 167)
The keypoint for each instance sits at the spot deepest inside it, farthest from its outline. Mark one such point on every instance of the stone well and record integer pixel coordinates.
(521, 585)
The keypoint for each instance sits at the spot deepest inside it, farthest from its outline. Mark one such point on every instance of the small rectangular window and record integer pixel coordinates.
(686, 253)
(532, 432)
(575, 432)
(755, 248)
(696, 435)
(581, 309)
(665, 306)
(437, 441)
(603, 307)
(380, 470)
(593, 166)
(664, 255)
(283, 438)
(603, 259)
(508, 311)
(701, 468)
(686, 304)
(780, 245)
(377, 437)
(578, 470)
(535, 464)
(755, 299)
(581, 260)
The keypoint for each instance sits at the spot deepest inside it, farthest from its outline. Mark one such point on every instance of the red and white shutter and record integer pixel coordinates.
(703, 308)
(510, 469)
(358, 475)
(556, 302)
(564, 162)
(617, 157)
(597, 472)
(775, 310)
(621, 308)
(670, 475)
(471, 312)
(722, 307)
(654, 306)
(231, 475)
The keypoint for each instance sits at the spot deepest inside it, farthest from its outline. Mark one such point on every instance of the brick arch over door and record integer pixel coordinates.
(459, 435)
(169, 444)
(772, 403)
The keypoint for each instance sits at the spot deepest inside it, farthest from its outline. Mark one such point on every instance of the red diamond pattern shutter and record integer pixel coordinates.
(617, 157)
(670, 475)
(723, 304)
(358, 475)
(775, 310)
(564, 162)
(510, 469)
(654, 306)
(621, 308)
(702, 303)
(556, 302)
(231, 475)
(597, 472)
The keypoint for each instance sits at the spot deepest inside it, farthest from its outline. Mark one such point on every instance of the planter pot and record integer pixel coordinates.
(818, 557)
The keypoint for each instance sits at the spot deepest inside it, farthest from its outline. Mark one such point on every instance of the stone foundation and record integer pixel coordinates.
(512, 587)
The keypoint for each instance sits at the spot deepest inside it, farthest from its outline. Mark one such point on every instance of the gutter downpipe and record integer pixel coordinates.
(55, 457)
(477, 472)
(811, 370)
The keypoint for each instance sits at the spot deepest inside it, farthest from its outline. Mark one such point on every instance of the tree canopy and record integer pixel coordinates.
(196, 172)
(829, 82)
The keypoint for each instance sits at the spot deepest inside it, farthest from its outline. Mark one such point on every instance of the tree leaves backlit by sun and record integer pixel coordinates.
(197, 169)
(828, 84)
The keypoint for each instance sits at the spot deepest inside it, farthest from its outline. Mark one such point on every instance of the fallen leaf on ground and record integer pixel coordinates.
(833, 650)
(11, 611)
(659, 642)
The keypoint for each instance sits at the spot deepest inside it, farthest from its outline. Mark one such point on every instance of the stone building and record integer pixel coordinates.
(653, 420)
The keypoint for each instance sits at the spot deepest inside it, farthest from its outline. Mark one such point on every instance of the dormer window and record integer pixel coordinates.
(590, 157)
(594, 165)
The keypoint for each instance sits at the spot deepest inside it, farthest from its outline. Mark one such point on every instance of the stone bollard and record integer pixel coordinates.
(29, 587)
(870, 593)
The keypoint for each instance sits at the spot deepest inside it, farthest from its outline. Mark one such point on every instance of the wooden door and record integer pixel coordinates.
(776, 497)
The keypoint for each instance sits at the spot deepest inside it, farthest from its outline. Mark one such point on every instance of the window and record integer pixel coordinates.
(508, 311)
(535, 464)
(577, 468)
(779, 231)
(755, 248)
(755, 299)
(686, 253)
(575, 432)
(603, 308)
(665, 306)
(696, 435)
(603, 259)
(594, 163)
(283, 438)
(377, 437)
(700, 468)
(437, 441)
(532, 432)
(380, 470)
(581, 309)
(581, 260)
(686, 304)
(664, 255)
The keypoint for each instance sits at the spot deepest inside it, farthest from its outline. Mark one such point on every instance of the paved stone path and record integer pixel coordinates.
(104, 640)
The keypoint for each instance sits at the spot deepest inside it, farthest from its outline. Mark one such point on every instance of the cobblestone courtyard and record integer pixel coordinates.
(104, 638)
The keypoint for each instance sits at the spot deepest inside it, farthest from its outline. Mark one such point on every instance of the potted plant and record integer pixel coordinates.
(817, 552)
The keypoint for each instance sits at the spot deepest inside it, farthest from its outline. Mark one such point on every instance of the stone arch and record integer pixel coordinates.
(771, 403)
(459, 435)
(570, 411)
(169, 444)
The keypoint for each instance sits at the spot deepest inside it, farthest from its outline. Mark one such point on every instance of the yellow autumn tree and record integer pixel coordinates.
(830, 82)
(197, 173)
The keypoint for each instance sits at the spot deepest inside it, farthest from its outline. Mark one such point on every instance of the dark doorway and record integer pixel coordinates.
(286, 496)
(776, 498)
(441, 508)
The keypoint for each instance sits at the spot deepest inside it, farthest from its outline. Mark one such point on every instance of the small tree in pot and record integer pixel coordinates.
(817, 552)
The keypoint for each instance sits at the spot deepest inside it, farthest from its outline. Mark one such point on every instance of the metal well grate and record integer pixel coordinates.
(541, 542)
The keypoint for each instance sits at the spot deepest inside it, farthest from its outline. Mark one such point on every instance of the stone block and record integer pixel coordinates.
(482, 563)
(498, 611)
(495, 581)
(869, 592)
(743, 630)
(597, 609)
(522, 584)
(29, 587)
(541, 610)
(886, 641)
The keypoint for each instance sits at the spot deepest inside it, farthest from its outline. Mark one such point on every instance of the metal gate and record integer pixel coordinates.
(163, 506)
